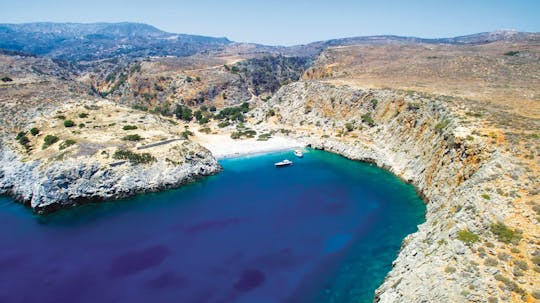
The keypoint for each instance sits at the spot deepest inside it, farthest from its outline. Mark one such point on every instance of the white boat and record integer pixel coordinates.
(283, 163)
(298, 153)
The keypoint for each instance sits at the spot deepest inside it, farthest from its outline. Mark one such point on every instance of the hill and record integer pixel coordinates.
(84, 42)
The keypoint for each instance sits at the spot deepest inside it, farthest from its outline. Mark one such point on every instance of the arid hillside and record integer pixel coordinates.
(31, 86)
(219, 79)
(505, 73)
(498, 82)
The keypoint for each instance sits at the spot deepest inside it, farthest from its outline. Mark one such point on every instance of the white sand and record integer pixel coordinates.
(222, 146)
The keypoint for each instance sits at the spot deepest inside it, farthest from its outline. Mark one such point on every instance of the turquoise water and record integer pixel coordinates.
(323, 230)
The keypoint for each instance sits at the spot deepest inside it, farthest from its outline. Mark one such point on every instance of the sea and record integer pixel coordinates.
(325, 229)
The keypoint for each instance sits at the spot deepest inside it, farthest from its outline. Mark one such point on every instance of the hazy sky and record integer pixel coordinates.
(290, 22)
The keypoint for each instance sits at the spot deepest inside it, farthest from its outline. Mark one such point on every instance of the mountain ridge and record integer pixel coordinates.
(94, 41)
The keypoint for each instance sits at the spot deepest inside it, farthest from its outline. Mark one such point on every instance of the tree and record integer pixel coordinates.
(34, 131)
(183, 112)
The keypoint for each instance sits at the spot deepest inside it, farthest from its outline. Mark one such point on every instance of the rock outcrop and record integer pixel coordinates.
(113, 152)
(68, 183)
(61, 184)
(467, 184)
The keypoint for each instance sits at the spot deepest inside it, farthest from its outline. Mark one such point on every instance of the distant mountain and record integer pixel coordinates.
(95, 41)
(75, 41)
(480, 38)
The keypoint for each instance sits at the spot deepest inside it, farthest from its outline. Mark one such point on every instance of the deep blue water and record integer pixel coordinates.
(323, 230)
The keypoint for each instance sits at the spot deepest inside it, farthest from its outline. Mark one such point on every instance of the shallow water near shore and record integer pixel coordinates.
(323, 230)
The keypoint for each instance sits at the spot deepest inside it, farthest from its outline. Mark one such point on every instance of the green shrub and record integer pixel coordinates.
(69, 123)
(491, 262)
(486, 196)
(264, 137)
(163, 109)
(213, 108)
(183, 112)
(235, 135)
(522, 264)
(510, 285)
(185, 134)
(129, 127)
(450, 269)
(132, 157)
(140, 107)
(223, 124)
(248, 133)
(374, 102)
(235, 113)
(34, 131)
(467, 236)
(20, 135)
(536, 260)
(6, 79)
(92, 107)
(366, 118)
(81, 125)
(504, 233)
(349, 127)
(511, 53)
(66, 144)
(24, 141)
(61, 117)
(83, 115)
(205, 130)
(134, 137)
(442, 125)
(49, 140)
(198, 114)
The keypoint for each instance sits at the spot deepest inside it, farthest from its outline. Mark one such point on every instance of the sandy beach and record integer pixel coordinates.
(223, 146)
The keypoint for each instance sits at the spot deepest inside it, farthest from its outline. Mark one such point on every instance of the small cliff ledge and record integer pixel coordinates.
(471, 186)
(105, 152)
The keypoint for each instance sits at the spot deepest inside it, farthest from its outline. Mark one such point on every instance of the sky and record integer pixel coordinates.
(290, 22)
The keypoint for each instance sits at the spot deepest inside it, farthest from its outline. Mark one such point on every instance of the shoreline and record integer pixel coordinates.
(222, 146)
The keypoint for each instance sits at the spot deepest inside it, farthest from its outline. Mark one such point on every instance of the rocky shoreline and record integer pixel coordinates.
(63, 184)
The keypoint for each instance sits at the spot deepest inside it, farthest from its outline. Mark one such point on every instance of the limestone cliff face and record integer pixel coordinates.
(92, 151)
(426, 141)
(47, 186)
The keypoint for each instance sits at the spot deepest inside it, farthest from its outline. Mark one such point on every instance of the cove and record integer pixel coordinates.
(323, 230)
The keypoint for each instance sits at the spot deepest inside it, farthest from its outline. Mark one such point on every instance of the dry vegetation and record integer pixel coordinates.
(99, 130)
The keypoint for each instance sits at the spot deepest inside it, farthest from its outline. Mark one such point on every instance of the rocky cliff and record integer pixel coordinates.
(479, 242)
(87, 153)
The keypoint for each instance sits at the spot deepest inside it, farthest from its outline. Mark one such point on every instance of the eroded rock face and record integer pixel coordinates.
(426, 141)
(106, 152)
(47, 187)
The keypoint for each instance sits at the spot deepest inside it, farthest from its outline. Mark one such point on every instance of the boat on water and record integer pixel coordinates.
(283, 163)
(298, 153)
